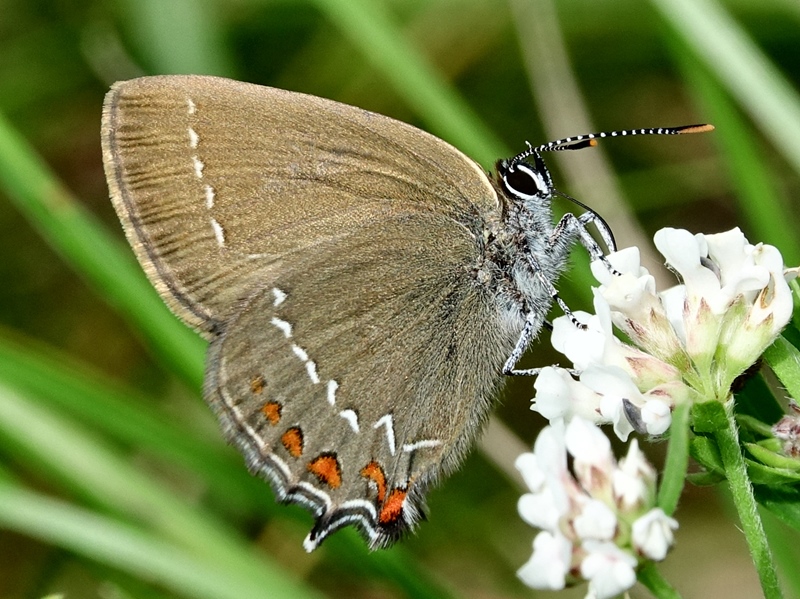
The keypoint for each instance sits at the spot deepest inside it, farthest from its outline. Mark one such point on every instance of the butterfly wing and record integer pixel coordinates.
(217, 182)
(333, 257)
(362, 373)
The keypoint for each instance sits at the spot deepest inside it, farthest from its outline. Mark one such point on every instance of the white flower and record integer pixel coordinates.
(548, 566)
(656, 416)
(615, 386)
(581, 345)
(634, 482)
(693, 339)
(595, 521)
(545, 473)
(560, 397)
(585, 514)
(734, 300)
(539, 509)
(634, 305)
(683, 252)
(769, 312)
(609, 570)
(653, 534)
(588, 445)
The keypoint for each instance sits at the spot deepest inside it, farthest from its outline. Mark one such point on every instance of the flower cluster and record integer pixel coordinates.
(598, 523)
(689, 342)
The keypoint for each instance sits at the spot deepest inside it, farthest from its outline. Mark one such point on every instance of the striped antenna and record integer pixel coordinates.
(584, 141)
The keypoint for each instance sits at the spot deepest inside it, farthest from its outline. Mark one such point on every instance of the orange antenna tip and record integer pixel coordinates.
(696, 128)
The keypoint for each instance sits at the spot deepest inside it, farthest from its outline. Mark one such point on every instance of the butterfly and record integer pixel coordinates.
(363, 284)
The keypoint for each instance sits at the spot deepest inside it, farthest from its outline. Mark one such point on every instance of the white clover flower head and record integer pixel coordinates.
(599, 518)
(586, 513)
(734, 301)
(690, 341)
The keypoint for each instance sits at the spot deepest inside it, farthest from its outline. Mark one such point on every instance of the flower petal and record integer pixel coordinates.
(559, 396)
(609, 570)
(548, 566)
(683, 252)
(652, 534)
(595, 521)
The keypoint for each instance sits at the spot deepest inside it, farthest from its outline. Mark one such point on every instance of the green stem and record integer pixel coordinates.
(674, 477)
(744, 500)
(650, 577)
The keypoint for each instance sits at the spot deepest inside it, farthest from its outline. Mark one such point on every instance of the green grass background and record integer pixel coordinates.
(114, 481)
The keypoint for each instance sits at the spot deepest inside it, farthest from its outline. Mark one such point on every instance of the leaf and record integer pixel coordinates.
(771, 477)
(706, 453)
(784, 360)
(784, 503)
(771, 458)
(708, 417)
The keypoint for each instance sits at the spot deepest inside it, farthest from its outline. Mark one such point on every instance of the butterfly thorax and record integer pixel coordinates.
(521, 242)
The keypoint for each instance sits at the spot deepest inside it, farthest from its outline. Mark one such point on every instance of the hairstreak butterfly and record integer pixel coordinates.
(364, 285)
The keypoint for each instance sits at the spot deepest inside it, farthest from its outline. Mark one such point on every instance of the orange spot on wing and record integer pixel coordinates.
(272, 412)
(374, 472)
(327, 469)
(392, 508)
(292, 440)
(257, 384)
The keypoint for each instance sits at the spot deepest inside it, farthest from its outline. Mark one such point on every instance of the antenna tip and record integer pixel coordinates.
(695, 128)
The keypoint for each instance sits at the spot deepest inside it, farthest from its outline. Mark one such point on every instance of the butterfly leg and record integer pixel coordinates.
(571, 227)
(533, 322)
(568, 229)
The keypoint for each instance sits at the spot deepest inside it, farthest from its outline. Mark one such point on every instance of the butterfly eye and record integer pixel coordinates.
(523, 181)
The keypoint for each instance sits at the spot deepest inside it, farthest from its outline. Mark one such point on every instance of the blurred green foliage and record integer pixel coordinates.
(113, 477)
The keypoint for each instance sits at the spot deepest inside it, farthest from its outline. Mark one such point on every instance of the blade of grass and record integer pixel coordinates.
(85, 244)
(784, 360)
(179, 36)
(438, 30)
(759, 199)
(677, 462)
(750, 77)
(370, 28)
(132, 550)
(74, 390)
(93, 469)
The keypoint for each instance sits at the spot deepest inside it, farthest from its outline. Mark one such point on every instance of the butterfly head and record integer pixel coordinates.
(525, 177)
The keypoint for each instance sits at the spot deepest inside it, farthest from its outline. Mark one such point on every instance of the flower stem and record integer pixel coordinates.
(650, 577)
(742, 491)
